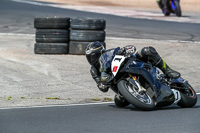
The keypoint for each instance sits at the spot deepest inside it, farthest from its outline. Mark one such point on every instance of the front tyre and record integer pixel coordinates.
(188, 97)
(141, 101)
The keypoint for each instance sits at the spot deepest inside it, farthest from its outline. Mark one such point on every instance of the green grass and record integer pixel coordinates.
(96, 99)
(107, 99)
(8, 98)
(53, 98)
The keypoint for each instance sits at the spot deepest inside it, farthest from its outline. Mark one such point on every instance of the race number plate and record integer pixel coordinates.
(177, 96)
(117, 61)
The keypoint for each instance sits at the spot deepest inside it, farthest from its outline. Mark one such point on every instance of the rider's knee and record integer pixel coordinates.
(148, 51)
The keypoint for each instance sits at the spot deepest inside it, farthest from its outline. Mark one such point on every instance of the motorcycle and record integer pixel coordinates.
(143, 85)
(174, 7)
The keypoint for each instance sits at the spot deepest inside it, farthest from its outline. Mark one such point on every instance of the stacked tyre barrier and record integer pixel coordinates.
(83, 31)
(63, 36)
(52, 35)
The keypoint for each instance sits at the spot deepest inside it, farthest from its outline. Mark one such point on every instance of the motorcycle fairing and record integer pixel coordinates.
(137, 68)
(179, 80)
(172, 3)
(163, 93)
(166, 96)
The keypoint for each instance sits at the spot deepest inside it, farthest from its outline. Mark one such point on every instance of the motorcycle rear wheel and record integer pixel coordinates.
(141, 101)
(188, 98)
(178, 9)
(120, 101)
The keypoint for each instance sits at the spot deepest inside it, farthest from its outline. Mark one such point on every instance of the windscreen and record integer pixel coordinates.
(106, 59)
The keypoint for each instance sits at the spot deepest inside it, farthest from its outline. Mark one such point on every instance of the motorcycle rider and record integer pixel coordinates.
(163, 6)
(94, 51)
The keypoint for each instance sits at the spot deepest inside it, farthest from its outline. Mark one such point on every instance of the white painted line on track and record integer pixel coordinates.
(16, 34)
(30, 2)
(175, 41)
(62, 105)
(59, 105)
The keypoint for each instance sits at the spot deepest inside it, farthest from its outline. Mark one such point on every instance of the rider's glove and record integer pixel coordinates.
(129, 50)
(102, 87)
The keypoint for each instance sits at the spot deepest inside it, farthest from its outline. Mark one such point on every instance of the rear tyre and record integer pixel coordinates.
(178, 9)
(188, 98)
(140, 101)
(120, 101)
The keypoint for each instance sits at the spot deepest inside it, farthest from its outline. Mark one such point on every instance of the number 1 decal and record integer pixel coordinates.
(177, 96)
(118, 59)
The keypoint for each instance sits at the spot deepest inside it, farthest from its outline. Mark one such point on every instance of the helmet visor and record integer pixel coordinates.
(93, 58)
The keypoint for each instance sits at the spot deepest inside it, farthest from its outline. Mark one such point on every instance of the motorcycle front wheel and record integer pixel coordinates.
(140, 100)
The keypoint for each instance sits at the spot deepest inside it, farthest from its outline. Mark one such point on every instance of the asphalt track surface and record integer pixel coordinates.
(100, 118)
(18, 18)
(17, 14)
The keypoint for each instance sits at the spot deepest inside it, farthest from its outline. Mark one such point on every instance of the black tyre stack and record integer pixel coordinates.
(63, 36)
(83, 31)
(52, 35)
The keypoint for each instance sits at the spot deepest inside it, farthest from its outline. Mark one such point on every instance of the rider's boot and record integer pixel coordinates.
(167, 70)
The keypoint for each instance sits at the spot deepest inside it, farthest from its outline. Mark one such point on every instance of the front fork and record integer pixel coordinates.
(136, 84)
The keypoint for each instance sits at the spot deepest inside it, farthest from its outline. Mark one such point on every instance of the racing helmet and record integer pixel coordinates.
(94, 51)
